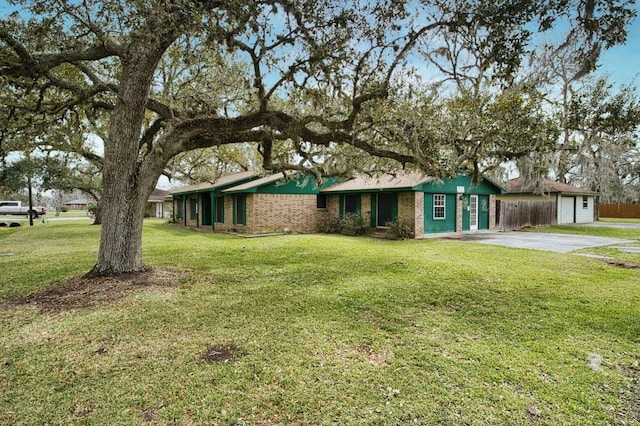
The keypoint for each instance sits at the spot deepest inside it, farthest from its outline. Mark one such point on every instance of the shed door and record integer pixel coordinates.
(567, 210)
(473, 213)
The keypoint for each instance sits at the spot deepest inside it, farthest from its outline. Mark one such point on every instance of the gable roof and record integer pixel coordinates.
(158, 195)
(222, 181)
(253, 185)
(413, 181)
(389, 182)
(278, 183)
(518, 186)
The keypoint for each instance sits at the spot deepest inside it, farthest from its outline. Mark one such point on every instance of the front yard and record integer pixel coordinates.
(314, 329)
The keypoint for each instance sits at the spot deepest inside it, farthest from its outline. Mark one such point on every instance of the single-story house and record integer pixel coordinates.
(428, 205)
(274, 203)
(203, 205)
(80, 204)
(158, 204)
(245, 202)
(553, 203)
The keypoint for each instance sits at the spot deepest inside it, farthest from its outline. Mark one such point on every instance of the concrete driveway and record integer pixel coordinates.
(561, 243)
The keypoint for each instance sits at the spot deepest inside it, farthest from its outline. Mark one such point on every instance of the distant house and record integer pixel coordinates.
(428, 205)
(80, 204)
(159, 204)
(553, 203)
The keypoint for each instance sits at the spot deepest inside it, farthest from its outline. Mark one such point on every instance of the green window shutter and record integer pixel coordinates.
(394, 207)
(233, 212)
(374, 210)
(219, 200)
(341, 205)
(244, 209)
(240, 209)
(358, 203)
(193, 209)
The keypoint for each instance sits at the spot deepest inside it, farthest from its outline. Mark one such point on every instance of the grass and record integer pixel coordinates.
(620, 220)
(323, 330)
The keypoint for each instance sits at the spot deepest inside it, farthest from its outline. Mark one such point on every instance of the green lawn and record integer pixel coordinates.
(322, 330)
(620, 220)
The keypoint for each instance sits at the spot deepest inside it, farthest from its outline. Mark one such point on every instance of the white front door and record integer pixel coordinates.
(159, 210)
(473, 213)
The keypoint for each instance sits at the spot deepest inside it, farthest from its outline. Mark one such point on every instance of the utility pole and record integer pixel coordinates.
(30, 213)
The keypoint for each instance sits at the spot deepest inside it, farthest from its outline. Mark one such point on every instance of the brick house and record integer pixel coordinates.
(428, 205)
(247, 203)
(203, 205)
(274, 203)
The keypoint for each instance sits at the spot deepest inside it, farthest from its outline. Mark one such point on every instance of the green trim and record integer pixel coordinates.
(450, 186)
(394, 208)
(370, 190)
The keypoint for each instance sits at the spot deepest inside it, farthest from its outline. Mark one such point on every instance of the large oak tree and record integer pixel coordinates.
(316, 74)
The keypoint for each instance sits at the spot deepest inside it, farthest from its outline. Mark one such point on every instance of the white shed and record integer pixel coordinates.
(536, 205)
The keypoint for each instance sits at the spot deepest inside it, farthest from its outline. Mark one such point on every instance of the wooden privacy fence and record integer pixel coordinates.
(619, 210)
(513, 215)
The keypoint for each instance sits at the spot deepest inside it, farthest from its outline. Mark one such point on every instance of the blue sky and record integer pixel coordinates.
(622, 63)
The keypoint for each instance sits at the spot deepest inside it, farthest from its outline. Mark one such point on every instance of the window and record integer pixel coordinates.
(220, 209)
(585, 202)
(193, 209)
(239, 204)
(321, 201)
(352, 203)
(438, 206)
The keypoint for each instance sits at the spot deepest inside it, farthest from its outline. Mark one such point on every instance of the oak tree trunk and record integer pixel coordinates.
(126, 184)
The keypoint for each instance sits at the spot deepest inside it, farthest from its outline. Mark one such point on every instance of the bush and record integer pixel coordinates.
(352, 224)
(64, 209)
(399, 230)
(330, 224)
(349, 224)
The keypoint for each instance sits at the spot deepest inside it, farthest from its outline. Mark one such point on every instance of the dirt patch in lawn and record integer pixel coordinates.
(629, 413)
(625, 265)
(82, 292)
(221, 353)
